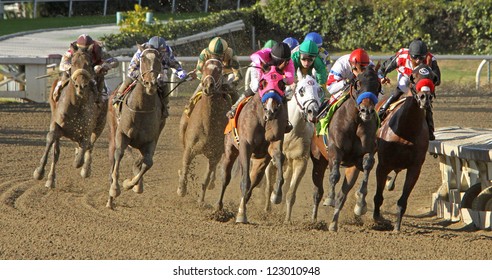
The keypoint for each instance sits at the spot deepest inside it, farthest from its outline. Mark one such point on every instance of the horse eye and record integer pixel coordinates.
(301, 92)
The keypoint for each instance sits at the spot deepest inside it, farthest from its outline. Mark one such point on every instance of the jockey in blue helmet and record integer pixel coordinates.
(323, 53)
(292, 42)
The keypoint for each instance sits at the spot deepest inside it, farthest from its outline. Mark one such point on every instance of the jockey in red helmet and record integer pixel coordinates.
(405, 61)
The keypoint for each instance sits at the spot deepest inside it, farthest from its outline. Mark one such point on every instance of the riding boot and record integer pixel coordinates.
(191, 103)
(430, 123)
(165, 107)
(232, 112)
(119, 94)
(59, 86)
(97, 94)
(393, 97)
(288, 127)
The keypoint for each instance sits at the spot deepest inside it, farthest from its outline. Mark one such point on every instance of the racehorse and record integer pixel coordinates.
(302, 108)
(402, 142)
(75, 116)
(261, 126)
(138, 125)
(351, 143)
(203, 131)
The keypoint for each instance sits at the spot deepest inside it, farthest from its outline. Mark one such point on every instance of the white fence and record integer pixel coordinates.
(21, 75)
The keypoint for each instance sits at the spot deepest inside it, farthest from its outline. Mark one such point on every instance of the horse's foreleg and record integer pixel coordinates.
(351, 174)
(381, 175)
(51, 136)
(275, 150)
(258, 167)
(209, 173)
(85, 172)
(410, 180)
(137, 165)
(147, 163)
(269, 175)
(333, 179)
(244, 160)
(361, 205)
(299, 166)
(183, 173)
(227, 163)
(79, 155)
(317, 175)
(51, 181)
(119, 151)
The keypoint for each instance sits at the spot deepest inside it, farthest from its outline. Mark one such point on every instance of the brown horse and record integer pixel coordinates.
(351, 143)
(138, 125)
(75, 116)
(402, 143)
(261, 127)
(203, 131)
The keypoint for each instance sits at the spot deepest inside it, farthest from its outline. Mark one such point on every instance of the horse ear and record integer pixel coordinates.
(378, 66)
(73, 47)
(89, 49)
(141, 47)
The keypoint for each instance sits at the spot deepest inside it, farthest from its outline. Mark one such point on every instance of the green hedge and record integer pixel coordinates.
(378, 25)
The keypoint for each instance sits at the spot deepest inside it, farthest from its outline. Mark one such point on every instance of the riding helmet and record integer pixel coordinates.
(269, 44)
(292, 42)
(417, 47)
(315, 37)
(359, 56)
(157, 42)
(280, 51)
(84, 41)
(309, 47)
(217, 46)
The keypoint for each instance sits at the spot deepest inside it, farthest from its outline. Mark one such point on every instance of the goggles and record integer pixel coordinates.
(307, 58)
(417, 57)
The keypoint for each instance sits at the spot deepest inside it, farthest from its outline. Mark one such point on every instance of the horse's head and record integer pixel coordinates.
(211, 76)
(308, 94)
(271, 91)
(367, 87)
(81, 70)
(150, 68)
(422, 85)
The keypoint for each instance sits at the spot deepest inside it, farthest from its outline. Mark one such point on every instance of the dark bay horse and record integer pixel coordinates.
(75, 116)
(138, 125)
(203, 131)
(402, 142)
(261, 127)
(351, 143)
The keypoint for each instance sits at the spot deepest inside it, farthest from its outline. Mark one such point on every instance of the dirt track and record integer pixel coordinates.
(72, 222)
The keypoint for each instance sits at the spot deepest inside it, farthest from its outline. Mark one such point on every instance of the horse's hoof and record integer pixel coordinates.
(127, 184)
(241, 219)
(329, 202)
(85, 173)
(219, 206)
(333, 227)
(138, 188)
(38, 174)
(182, 192)
(275, 199)
(360, 210)
(110, 204)
(50, 184)
(211, 186)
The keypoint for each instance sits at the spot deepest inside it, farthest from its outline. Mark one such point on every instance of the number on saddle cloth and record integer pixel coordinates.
(269, 85)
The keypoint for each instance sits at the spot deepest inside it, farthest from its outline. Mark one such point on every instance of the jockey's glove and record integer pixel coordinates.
(181, 74)
(230, 78)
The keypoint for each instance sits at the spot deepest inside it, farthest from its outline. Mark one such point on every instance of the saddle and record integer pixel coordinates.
(232, 124)
(322, 124)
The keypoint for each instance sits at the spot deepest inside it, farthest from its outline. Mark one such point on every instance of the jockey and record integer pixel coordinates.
(167, 59)
(278, 56)
(344, 70)
(323, 53)
(101, 66)
(219, 49)
(307, 59)
(405, 61)
(292, 42)
(247, 79)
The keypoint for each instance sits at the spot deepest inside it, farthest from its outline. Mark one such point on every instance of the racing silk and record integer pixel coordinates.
(270, 82)
(263, 57)
(229, 61)
(168, 61)
(66, 61)
(340, 73)
(402, 62)
(317, 65)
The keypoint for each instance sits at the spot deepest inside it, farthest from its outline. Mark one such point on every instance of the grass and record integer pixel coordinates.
(11, 26)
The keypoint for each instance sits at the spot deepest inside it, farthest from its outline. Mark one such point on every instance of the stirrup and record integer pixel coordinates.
(231, 113)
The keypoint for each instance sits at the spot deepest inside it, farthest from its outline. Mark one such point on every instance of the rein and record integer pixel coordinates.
(137, 111)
